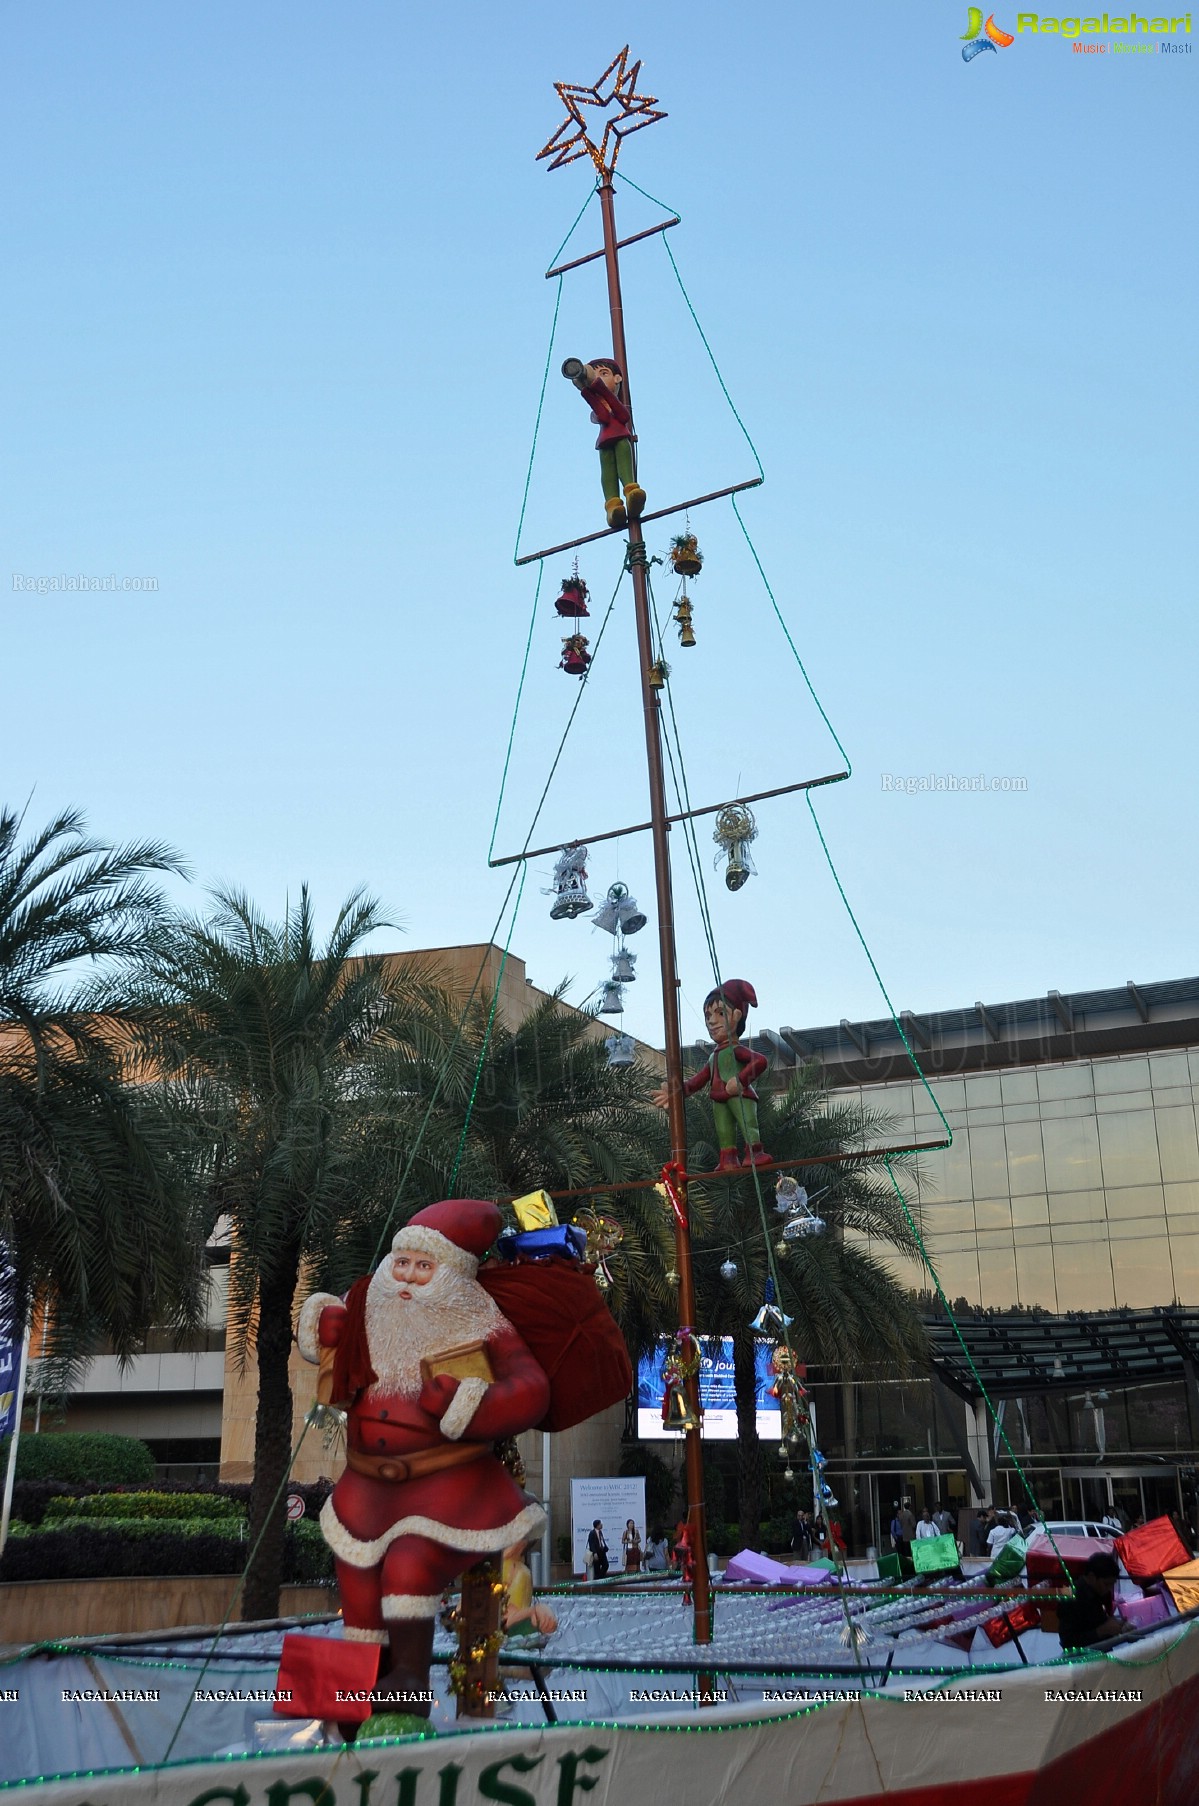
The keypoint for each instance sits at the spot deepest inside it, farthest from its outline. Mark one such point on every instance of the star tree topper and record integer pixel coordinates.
(616, 87)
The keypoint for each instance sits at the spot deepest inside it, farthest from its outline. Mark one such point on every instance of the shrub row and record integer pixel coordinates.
(126, 1505)
(80, 1457)
(148, 1546)
(34, 1500)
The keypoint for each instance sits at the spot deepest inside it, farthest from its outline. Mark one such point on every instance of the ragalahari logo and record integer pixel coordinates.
(980, 37)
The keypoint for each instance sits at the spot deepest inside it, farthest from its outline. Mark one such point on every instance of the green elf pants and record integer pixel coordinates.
(739, 1113)
(616, 467)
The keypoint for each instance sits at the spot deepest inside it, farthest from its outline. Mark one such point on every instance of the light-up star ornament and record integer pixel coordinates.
(616, 88)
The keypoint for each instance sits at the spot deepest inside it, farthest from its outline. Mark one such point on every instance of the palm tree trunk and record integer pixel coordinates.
(749, 1449)
(272, 1439)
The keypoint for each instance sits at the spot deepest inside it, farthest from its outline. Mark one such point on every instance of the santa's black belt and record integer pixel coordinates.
(416, 1465)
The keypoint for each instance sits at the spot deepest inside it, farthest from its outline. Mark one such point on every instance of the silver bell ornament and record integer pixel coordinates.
(618, 913)
(735, 828)
(620, 1050)
(569, 888)
(612, 1002)
(622, 966)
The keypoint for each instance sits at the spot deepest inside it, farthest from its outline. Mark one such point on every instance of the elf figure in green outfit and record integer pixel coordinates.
(730, 1072)
(600, 383)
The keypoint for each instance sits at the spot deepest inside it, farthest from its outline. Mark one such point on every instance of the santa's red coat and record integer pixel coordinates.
(476, 1507)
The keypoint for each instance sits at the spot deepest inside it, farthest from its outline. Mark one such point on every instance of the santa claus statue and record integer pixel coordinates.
(431, 1373)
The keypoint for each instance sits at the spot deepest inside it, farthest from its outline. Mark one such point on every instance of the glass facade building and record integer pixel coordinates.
(1070, 1190)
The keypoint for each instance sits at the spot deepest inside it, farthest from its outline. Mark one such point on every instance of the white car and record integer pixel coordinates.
(1077, 1527)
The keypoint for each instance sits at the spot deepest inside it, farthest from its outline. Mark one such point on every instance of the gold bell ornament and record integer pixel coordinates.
(680, 1365)
(682, 614)
(659, 671)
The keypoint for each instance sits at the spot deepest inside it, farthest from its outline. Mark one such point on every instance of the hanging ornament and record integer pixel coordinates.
(792, 1397)
(622, 966)
(735, 828)
(612, 1002)
(618, 913)
(728, 1269)
(680, 1365)
(659, 671)
(682, 614)
(770, 1317)
(573, 600)
(570, 885)
(789, 1195)
(604, 1236)
(621, 1050)
(793, 1201)
(575, 656)
(671, 1276)
(685, 554)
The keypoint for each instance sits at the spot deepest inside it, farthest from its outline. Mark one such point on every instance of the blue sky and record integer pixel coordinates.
(273, 332)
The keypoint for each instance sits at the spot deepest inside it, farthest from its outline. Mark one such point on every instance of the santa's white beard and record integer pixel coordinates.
(401, 1332)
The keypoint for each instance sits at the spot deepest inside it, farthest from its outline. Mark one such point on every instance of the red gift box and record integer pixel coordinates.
(1150, 1550)
(314, 1670)
(1021, 1617)
(1046, 1559)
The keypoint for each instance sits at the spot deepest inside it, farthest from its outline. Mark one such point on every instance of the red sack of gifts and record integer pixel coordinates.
(314, 1670)
(1024, 1616)
(1149, 1551)
(560, 1312)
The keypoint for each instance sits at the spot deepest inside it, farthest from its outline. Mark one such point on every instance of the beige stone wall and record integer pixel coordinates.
(314, 1461)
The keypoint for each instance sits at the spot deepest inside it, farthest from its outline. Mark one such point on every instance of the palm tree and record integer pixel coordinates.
(500, 1111)
(94, 1217)
(850, 1312)
(270, 1042)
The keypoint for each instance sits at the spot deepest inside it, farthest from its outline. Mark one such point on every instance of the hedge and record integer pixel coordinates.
(34, 1500)
(126, 1505)
(79, 1457)
(147, 1546)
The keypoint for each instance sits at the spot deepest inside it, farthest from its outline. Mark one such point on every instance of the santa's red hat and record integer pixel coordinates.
(458, 1231)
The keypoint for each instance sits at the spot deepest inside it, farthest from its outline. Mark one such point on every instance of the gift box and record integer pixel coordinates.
(1009, 1561)
(1150, 1550)
(1022, 1617)
(890, 1567)
(763, 1572)
(1141, 1613)
(314, 1670)
(560, 1241)
(1065, 1555)
(935, 1554)
(1183, 1584)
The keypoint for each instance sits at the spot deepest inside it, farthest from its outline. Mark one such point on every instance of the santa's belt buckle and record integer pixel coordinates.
(392, 1470)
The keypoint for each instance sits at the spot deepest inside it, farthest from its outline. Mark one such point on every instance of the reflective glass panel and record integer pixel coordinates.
(982, 1089)
(1025, 1158)
(988, 1161)
(1135, 1202)
(1072, 1154)
(1083, 1271)
(1018, 1087)
(1128, 1139)
(1027, 1212)
(1142, 1270)
(1168, 1069)
(1177, 1143)
(997, 1276)
(1065, 1081)
(1121, 1075)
